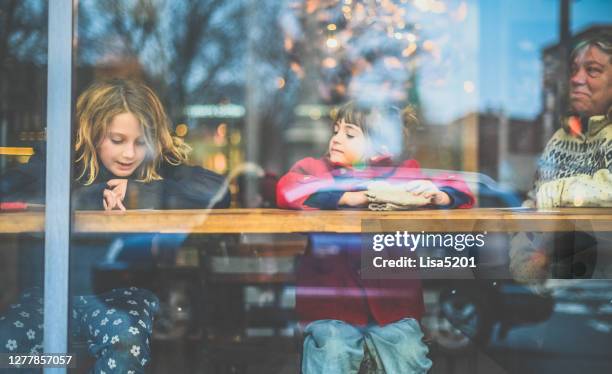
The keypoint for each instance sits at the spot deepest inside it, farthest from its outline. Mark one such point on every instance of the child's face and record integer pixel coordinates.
(123, 149)
(348, 145)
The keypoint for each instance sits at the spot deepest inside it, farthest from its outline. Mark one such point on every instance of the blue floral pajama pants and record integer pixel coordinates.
(116, 325)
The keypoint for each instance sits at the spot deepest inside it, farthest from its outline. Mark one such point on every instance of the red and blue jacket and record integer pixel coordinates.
(329, 284)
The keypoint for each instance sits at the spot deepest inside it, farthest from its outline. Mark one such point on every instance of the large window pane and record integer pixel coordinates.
(251, 86)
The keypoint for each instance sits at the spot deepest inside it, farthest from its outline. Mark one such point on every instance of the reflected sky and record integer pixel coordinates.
(513, 34)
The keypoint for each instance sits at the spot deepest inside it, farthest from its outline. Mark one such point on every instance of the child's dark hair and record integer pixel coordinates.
(388, 127)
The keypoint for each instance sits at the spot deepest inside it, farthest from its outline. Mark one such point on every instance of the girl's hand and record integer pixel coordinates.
(428, 190)
(118, 186)
(111, 201)
(114, 195)
(354, 199)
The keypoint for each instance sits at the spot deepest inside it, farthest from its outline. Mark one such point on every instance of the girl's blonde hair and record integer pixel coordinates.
(95, 110)
(388, 128)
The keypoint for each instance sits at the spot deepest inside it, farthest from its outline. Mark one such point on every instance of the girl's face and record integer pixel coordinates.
(123, 149)
(348, 146)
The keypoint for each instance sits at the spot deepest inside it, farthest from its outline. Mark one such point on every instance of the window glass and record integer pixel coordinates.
(23, 95)
(252, 88)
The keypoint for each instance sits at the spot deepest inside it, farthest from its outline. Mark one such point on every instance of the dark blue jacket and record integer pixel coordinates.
(182, 187)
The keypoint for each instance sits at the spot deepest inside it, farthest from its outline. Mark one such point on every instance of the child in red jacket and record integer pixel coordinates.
(347, 314)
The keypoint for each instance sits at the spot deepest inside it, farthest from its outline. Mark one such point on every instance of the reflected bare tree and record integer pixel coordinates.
(23, 55)
(196, 51)
(189, 50)
(23, 31)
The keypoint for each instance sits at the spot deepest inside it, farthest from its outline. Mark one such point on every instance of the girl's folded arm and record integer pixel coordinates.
(455, 187)
(307, 182)
(458, 199)
(324, 199)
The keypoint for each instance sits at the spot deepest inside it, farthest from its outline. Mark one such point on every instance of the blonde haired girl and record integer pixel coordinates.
(125, 157)
(100, 105)
(123, 143)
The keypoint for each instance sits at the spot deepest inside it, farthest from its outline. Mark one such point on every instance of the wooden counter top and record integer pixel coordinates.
(232, 221)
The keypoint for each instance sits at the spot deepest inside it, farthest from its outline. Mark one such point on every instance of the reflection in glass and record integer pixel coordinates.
(23, 56)
(255, 81)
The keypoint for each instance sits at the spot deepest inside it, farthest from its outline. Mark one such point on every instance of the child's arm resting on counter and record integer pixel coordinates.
(308, 185)
(453, 186)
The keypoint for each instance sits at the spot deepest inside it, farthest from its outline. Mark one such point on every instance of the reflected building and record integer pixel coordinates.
(496, 145)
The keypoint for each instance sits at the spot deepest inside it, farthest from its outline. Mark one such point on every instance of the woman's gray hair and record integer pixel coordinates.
(601, 40)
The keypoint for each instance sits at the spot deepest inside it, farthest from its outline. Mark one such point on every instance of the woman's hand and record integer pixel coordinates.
(114, 195)
(549, 194)
(428, 190)
(354, 199)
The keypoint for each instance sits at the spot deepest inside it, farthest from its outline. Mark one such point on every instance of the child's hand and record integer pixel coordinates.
(111, 201)
(354, 199)
(114, 195)
(118, 186)
(428, 190)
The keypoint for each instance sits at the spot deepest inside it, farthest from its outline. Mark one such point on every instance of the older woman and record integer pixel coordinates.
(576, 165)
(575, 170)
